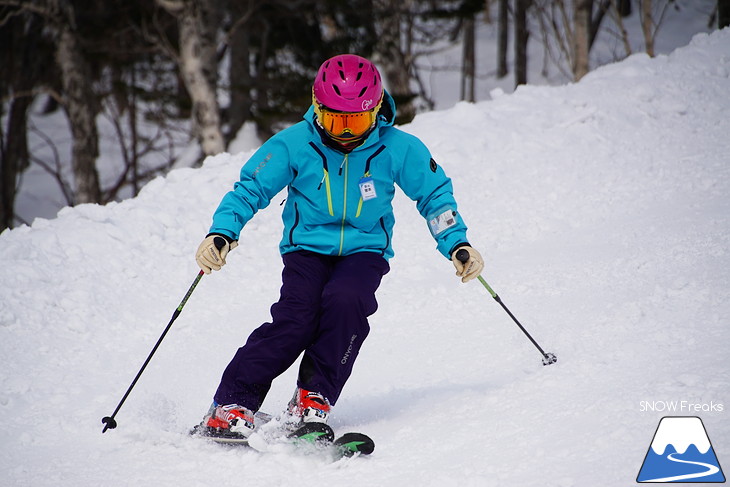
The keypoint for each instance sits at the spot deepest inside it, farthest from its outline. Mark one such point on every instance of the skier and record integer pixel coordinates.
(340, 165)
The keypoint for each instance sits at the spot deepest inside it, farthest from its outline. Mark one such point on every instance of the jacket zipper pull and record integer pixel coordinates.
(342, 165)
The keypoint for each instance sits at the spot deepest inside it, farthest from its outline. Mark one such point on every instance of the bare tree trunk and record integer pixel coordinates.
(604, 7)
(617, 15)
(239, 75)
(647, 26)
(22, 66)
(80, 107)
(133, 135)
(581, 37)
(652, 17)
(624, 8)
(502, 38)
(198, 66)
(264, 121)
(468, 69)
(14, 157)
(522, 35)
(488, 11)
(394, 57)
(723, 13)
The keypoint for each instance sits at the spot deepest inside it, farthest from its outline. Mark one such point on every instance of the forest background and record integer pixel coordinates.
(141, 87)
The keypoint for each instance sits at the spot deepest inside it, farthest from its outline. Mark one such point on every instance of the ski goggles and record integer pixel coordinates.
(345, 125)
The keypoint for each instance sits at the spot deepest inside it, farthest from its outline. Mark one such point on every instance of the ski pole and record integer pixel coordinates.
(109, 421)
(547, 358)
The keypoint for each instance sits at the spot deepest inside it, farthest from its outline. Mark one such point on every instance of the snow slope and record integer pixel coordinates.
(601, 209)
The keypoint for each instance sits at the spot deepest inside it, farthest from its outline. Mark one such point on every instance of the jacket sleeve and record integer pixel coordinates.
(265, 174)
(425, 182)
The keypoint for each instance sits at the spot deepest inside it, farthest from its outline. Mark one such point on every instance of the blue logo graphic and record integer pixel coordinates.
(681, 452)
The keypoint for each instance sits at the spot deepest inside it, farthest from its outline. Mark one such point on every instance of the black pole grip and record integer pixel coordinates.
(219, 242)
(462, 255)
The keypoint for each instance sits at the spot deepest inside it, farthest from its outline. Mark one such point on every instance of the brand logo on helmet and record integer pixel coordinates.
(366, 104)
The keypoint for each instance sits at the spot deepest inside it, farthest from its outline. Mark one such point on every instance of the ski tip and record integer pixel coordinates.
(316, 433)
(351, 444)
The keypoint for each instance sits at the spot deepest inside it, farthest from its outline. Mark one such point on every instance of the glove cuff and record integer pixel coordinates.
(458, 246)
(228, 239)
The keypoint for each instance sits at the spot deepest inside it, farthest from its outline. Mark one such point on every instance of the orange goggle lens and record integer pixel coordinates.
(344, 124)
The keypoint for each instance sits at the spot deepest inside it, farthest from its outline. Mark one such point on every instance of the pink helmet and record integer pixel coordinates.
(348, 83)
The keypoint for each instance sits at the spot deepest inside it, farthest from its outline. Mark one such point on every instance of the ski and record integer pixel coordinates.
(351, 444)
(223, 436)
(316, 437)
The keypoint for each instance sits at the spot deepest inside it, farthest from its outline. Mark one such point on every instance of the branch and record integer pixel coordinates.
(24, 6)
(659, 22)
(35, 92)
(239, 22)
(55, 172)
(172, 6)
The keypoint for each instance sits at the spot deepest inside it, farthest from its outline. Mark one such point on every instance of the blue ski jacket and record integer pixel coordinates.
(341, 203)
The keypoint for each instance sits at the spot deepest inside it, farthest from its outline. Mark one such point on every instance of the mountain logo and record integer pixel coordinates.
(681, 452)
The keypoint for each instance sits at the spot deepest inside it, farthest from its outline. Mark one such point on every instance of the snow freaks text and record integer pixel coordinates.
(682, 407)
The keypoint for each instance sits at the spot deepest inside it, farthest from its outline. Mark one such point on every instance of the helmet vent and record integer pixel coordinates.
(342, 75)
(337, 90)
(362, 92)
(359, 75)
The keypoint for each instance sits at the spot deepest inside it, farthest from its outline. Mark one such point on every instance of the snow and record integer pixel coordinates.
(601, 209)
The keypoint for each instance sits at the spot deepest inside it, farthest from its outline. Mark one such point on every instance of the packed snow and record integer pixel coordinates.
(602, 209)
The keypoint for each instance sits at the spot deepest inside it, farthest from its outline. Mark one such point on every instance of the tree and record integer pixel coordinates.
(651, 15)
(240, 79)
(198, 66)
(79, 102)
(468, 63)
(502, 38)
(574, 30)
(581, 33)
(24, 69)
(522, 35)
(620, 9)
(723, 13)
(467, 12)
(394, 53)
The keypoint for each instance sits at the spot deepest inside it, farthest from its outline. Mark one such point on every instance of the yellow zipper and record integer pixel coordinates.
(344, 206)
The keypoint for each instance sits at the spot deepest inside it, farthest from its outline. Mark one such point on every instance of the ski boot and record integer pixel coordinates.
(309, 407)
(232, 422)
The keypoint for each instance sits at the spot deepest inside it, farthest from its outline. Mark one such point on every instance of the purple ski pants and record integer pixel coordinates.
(322, 311)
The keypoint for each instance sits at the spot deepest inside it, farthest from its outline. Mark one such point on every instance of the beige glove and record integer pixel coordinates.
(211, 254)
(471, 267)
